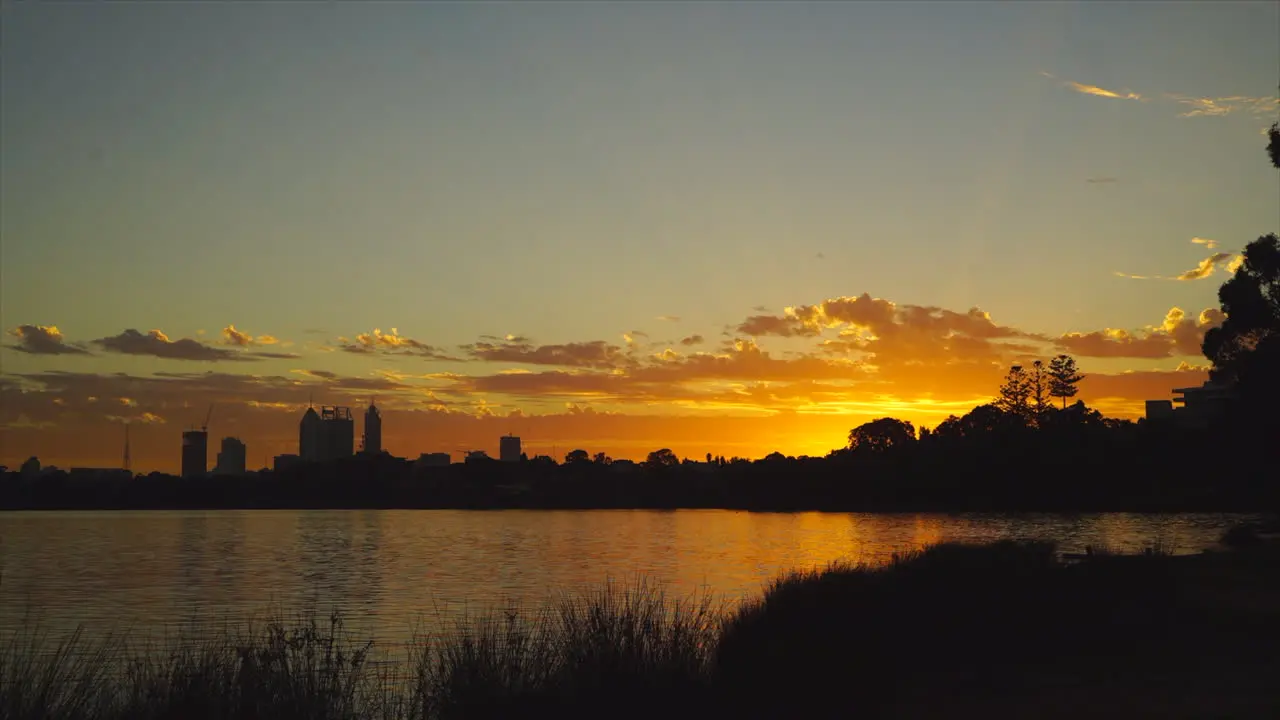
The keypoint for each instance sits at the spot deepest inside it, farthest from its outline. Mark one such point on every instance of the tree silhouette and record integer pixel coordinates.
(1251, 301)
(1015, 392)
(602, 459)
(1039, 388)
(1063, 378)
(577, 456)
(662, 458)
(881, 435)
(1273, 148)
(980, 425)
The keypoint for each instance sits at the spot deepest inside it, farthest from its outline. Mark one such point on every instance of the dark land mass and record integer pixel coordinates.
(1071, 461)
(1010, 630)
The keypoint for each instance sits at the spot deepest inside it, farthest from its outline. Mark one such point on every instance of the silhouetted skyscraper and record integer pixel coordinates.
(509, 449)
(339, 432)
(310, 436)
(195, 453)
(231, 459)
(372, 429)
(326, 435)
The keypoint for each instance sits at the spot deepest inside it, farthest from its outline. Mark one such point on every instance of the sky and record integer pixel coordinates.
(714, 227)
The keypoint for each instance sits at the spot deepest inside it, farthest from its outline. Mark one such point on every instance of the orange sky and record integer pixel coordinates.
(715, 227)
(794, 381)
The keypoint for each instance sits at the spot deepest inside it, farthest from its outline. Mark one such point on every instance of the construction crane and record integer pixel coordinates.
(205, 426)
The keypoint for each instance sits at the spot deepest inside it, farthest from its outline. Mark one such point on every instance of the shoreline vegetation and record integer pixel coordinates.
(1006, 630)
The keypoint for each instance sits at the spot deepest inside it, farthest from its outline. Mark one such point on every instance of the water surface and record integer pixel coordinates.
(387, 569)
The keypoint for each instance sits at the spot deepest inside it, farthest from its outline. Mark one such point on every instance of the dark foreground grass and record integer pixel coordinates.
(996, 631)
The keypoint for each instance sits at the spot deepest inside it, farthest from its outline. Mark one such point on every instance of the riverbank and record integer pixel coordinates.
(999, 631)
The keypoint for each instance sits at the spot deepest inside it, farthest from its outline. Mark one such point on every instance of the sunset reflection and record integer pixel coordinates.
(388, 570)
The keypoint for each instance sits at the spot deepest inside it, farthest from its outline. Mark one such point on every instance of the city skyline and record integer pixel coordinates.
(731, 229)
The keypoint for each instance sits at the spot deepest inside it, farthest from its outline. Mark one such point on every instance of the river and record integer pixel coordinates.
(389, 571)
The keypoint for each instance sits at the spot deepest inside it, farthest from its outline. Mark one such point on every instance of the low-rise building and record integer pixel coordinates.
(437, 459)
(285, 462)
(1193, 407)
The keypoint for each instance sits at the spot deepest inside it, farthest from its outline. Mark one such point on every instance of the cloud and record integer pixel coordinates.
(1201, 271)
(145, 418)
(1191, 106)
(1206, 267)
(231, 336)
(274, 355)
(921, 350)
(784, 326)
(157, 344)
(592, 354)
(1105, 179)
(43, 340)
(321, 374)
(1177, 335)
(1235, 264)
(392, 343)
(1220, 106)
(238, 338)
(843, 360)
(1101, 92)
(668, 318)
(1210, 244)
(880, 318)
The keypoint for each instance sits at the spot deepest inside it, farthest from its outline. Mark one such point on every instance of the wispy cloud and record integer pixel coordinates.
(1191, 105)
(1104, 179)
(145, 418)
(1219, 106)
(1206, 267)
(668, 318)
(1102, 92)
(1235, 264)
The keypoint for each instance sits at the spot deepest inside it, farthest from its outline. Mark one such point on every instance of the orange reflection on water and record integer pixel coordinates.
(387, 570)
